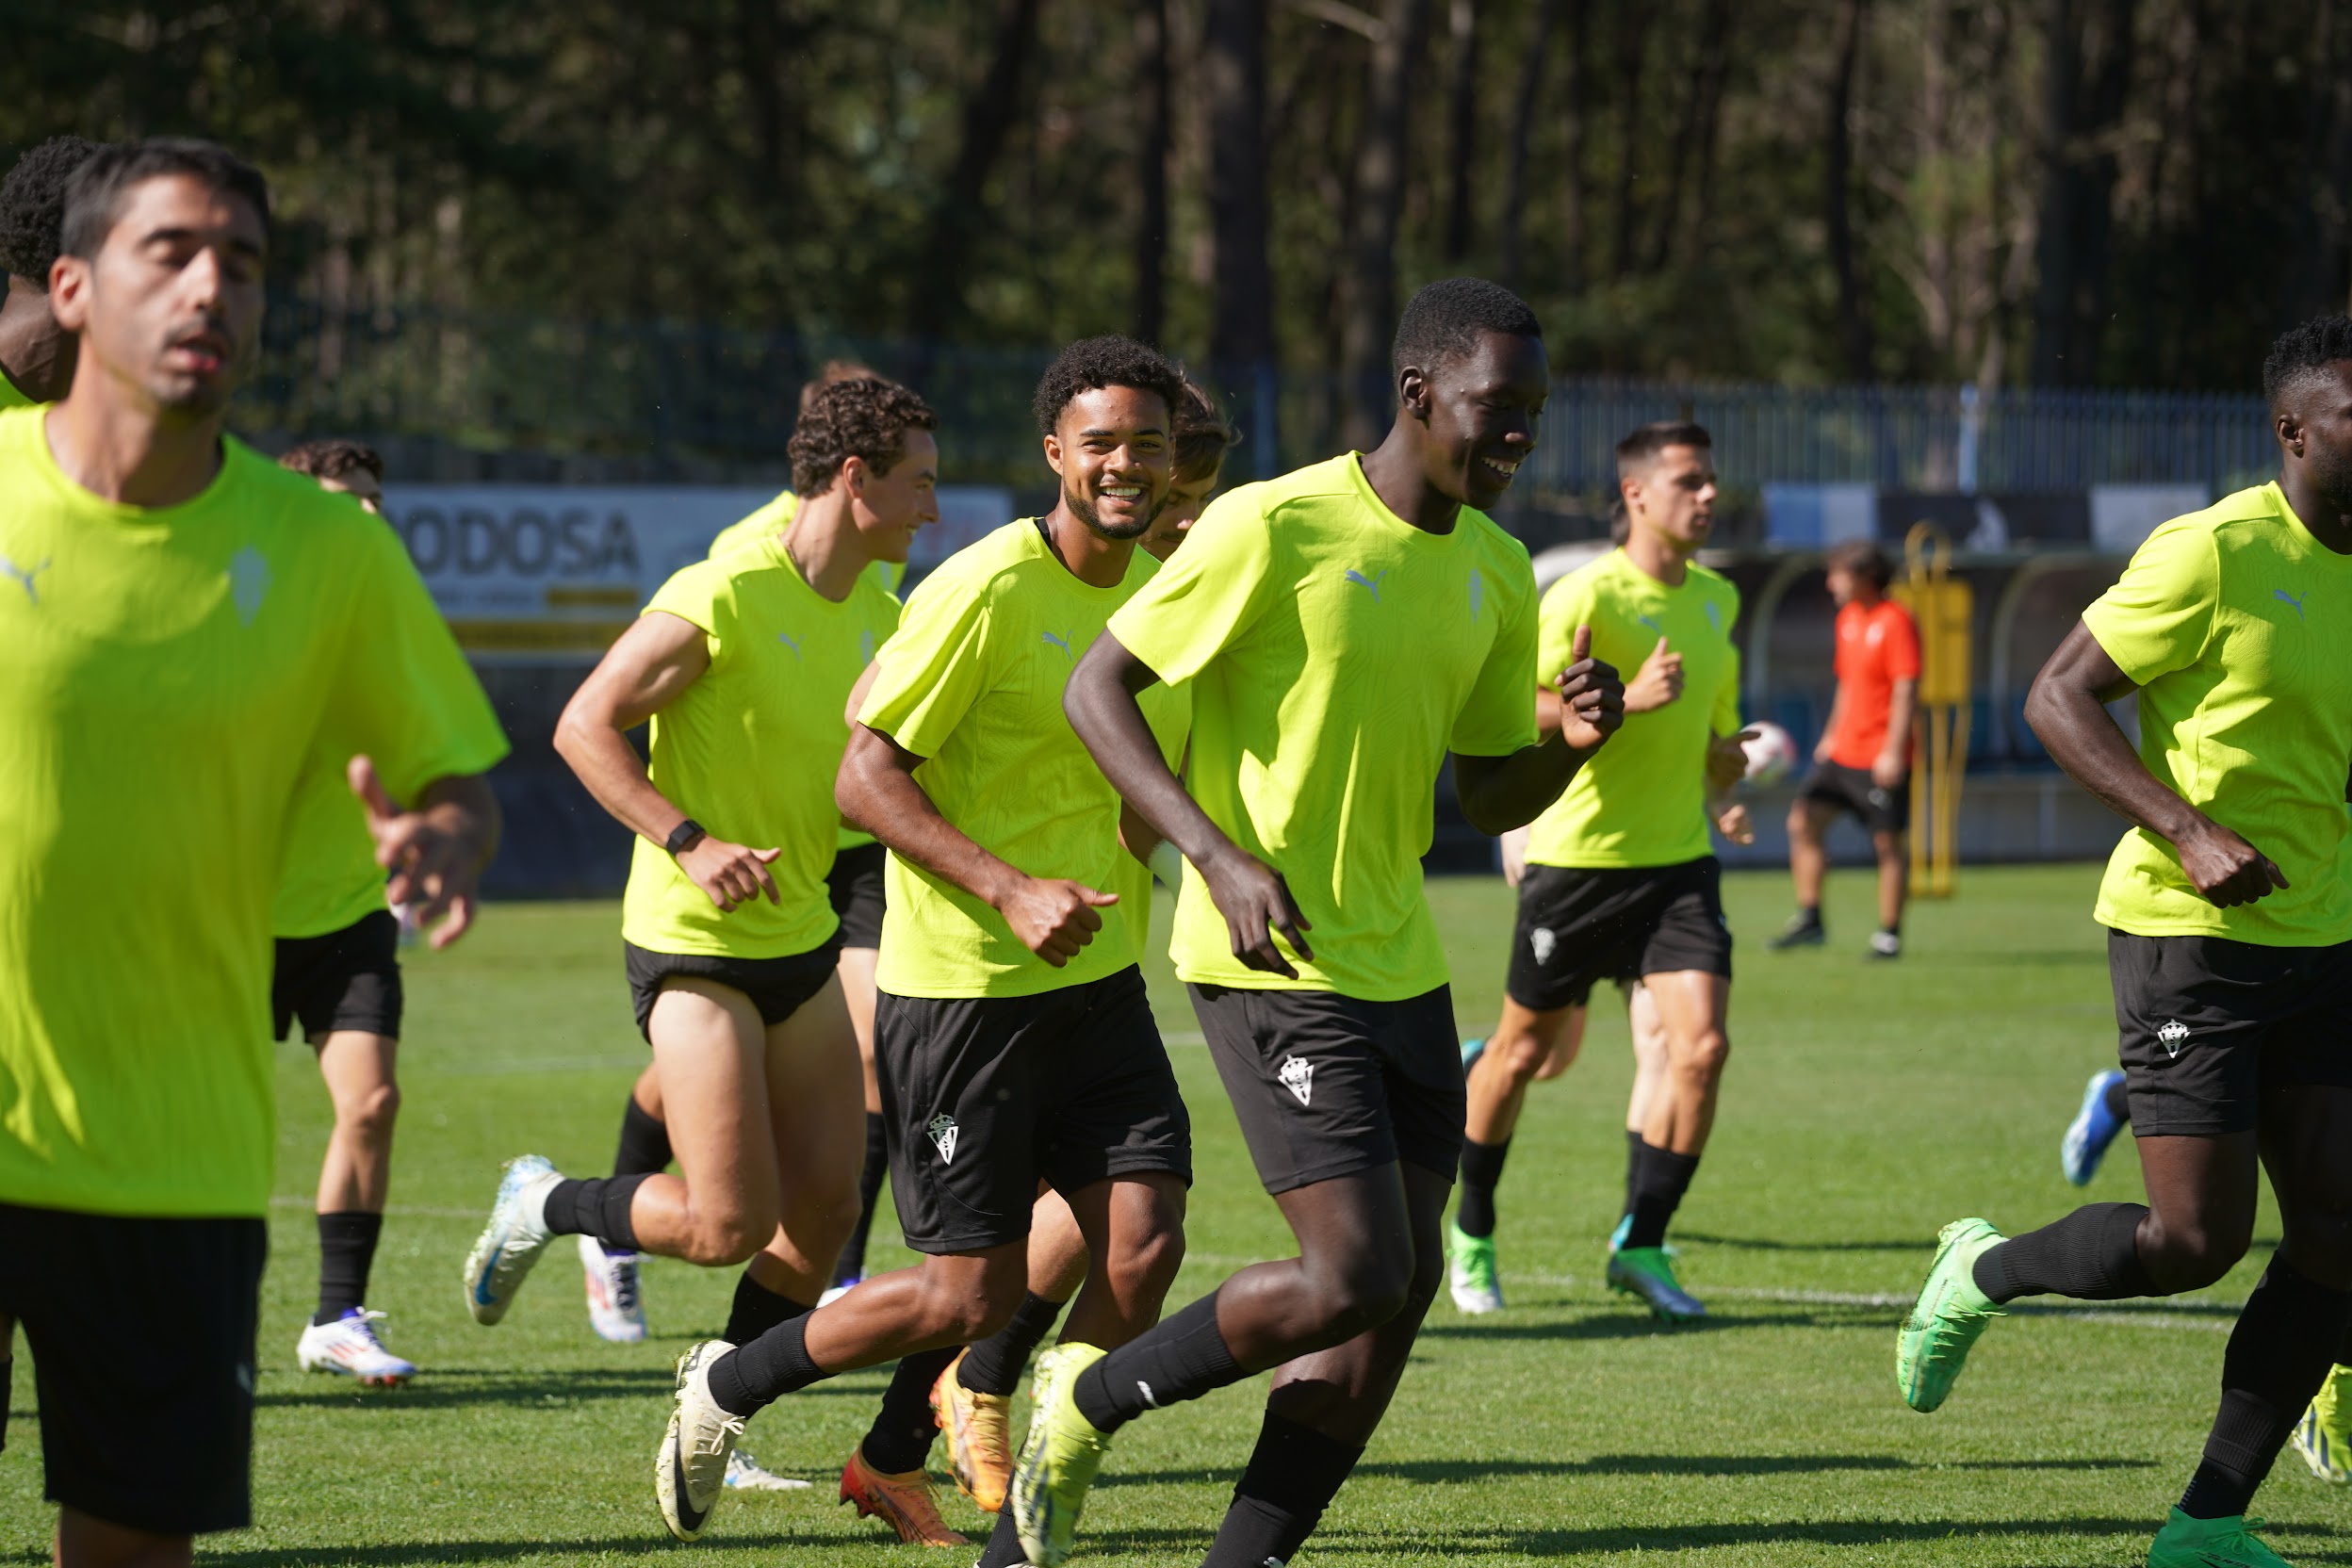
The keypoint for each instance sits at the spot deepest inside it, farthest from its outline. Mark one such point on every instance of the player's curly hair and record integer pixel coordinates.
(835, 371)
(1106, 361)
(865, 417)
(333, 457)
(32, 207)
(95, 191)
(1445, 317)
(2303, 352)
(1203, 435)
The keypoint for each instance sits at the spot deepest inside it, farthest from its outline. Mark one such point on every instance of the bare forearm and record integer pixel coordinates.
(1499, 793)
(881, 797)
(465, 808)
(602, 758)
(2084, 739)
(1101, 704)
(1901, 714)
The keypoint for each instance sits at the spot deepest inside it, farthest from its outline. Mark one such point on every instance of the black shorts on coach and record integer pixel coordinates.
(142, 1339)
(1579, 924)
(854, 886)
(346, 979)
(1328, 1086)
(1880, 808)
(985, 1096)
(777, 986)
(2208, 1027)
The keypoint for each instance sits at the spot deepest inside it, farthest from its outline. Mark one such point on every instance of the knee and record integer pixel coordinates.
(1147, 1265)
(1800, 824)
(1702, 1060)
(1350, 1301)
(722, 1241)
(368, 1116)
(2318, 1242)
(1520, 1056)
(2190, 1254)
(968, 1307)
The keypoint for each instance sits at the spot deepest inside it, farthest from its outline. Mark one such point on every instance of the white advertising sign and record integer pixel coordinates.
(527, 571)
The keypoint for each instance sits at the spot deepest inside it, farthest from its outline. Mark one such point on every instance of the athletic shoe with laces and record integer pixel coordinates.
(1058, 1458)
(903, 1502)
(2186, 1543)
(1886, 944)
(1647, 1274)
(1470, 1271)
(1933, 1344)
(2092, 1130)
(746, 1474)
(689, 1467)
(979, 1431)
(502, 1255)
(349, 1348)
(2324, 1436)
(615, 1310)
(1802, 930)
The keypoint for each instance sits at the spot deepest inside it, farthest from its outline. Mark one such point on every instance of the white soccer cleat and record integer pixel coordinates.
(615, 1310)
(502, 1255)
(349, 1348)
(834, 1293)
(746, 1474)
(689, 1467)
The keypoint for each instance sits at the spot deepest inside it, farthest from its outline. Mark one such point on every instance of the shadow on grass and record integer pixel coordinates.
(1449, 1472)
(445, 1388)
(1629, 1324)
(391, 1553)
(1764, 1244)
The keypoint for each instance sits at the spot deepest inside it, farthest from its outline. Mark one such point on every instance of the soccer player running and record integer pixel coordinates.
(1863, 761)
(1621, 881)
(2230, 943)
(1013, 1037)
(188, 627)
(36, 352)
(743, 666)
(1343, 628)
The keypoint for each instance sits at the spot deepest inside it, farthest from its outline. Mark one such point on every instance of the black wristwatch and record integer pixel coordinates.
(685, 835)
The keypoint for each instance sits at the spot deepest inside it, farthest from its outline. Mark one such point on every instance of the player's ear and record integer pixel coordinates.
(1412, 392)
(854, 476)
(2288, 424)
(1053, 450)
(69, 292)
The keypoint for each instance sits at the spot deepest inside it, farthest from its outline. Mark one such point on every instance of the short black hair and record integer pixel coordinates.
(2304, 350)
(1107, 361)
(1645, 442)
(94, 193)
(333, 457)
(1863, 557)
(865, 417)
(32, 207)
(1203, 434)
(1445, 317)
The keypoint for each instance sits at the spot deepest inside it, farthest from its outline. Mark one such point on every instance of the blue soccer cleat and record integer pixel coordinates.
(2092, 1130)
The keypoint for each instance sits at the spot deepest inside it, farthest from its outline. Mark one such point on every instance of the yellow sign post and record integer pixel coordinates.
(1944, 608)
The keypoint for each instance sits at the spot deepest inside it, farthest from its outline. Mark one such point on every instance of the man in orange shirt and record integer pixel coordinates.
(1863, 763)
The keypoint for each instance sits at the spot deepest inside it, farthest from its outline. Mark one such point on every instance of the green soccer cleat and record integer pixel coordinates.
(1058, 1458)
(2186, 1543)
(1647, 1274)
(1470, 1270)
(1933, 1343)
(2324, 1436)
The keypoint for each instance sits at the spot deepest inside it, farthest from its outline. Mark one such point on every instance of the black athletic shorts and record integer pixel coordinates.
(1879, 809)
(777, 986)
(854, 887)
(2208, 1027)
(1326, 1086)
(142, 1339)
(983, 1096)
(346, 979)
(1578, 924)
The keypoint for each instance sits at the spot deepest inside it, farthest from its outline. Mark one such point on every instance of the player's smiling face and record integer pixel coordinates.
(1111, 449)
(889, 506)
(1484, 410)
(172, 304)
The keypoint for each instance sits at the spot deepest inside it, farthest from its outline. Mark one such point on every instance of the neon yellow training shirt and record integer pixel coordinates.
(171, 675)
(750, 749)
(1642, 799)
(2237, 626)
(972, 685)
(1336, 654)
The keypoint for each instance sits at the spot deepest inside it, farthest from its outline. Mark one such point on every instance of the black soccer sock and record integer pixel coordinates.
(1293, 1476)
(598, 1207)
(1662, 1177)
(1633, 1169)
(903, 1427)
(1182, 1358)
(994, 1364)
(2117, 1102)
(1482, 1170)
(756, 1310)
(850, 1265)
(750, 1377)
(1003, 1547)
(2278, 1355)
(347, 1250)
(645, 1148)
(2091, 1255)
(1808, 914)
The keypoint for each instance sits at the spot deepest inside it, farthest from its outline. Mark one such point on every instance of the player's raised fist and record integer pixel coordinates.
(1592, 697)
(2225, 868)
(731, 875)
(1054, 917)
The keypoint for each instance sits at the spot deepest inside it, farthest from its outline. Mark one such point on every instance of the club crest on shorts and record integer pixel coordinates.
(943, 1131)
(2173, 1035)
(1298, 1076)
(1542, 942)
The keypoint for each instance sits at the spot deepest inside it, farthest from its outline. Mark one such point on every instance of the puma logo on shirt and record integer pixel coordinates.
(2282, 594)
(1370, 585)
(24, 576)
(1060, 642)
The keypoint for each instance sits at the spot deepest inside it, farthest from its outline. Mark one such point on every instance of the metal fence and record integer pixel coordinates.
(681, 395)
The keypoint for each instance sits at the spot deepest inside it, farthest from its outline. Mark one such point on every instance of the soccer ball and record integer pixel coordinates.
(1771, 754)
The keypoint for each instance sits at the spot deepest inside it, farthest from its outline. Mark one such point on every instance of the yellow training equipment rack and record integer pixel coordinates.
(1945, 609)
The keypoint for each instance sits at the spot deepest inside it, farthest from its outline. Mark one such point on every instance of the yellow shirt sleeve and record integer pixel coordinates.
(1499, 717)
(2157, 616)
(1207, 596)
(702, 597)
(1727, 692)
(932, 670)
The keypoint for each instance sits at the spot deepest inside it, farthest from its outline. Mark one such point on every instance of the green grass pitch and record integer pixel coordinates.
(1865, 1107)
